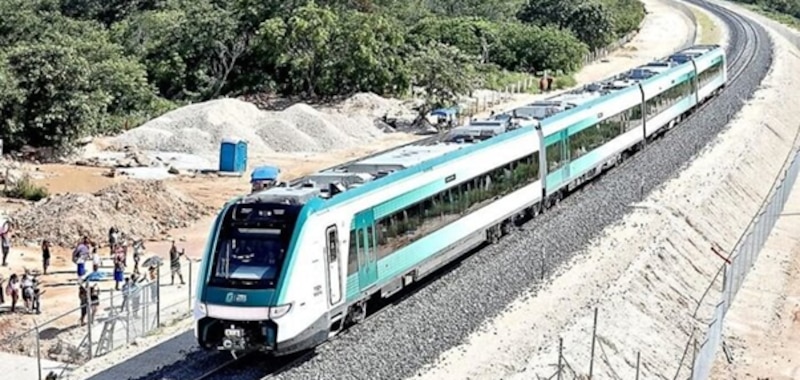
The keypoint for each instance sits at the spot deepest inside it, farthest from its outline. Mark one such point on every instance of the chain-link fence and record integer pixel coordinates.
(700, 349)
(742, 259)
(99, 327)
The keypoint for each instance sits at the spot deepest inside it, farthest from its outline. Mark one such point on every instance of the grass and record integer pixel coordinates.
(499, 80)
(710, 33)
(24, 188)
(782, 18)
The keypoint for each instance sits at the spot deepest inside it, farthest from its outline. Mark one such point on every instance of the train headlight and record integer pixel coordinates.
(200, 310)
(279, 311)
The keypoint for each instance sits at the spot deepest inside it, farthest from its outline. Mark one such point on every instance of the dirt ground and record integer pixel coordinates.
(59, 284)
(762, 328)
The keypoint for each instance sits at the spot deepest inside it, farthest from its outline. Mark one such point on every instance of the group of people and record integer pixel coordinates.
(25, 286)
(84, 255)
(89, 294)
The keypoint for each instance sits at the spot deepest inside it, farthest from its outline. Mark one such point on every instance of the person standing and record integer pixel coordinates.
(80, 255)
(84, 302)
(175, 263)
(96, 260)
(138, 252)
(94, 296)
(119, 267)
(5, 241)
(27, 291)
(13, 290)
(113, 240)
(45, 255)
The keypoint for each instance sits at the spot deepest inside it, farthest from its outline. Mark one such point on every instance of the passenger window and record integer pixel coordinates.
(333, 244)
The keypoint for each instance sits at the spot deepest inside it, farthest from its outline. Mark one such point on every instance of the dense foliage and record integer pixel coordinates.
(787, 7)
(69, 68)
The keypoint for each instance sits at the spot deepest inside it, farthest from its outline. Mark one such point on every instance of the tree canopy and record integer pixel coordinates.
(69, 68)
(786, 7)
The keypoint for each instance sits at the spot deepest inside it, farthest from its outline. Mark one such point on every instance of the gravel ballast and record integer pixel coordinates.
(401, 339)
(396, 342)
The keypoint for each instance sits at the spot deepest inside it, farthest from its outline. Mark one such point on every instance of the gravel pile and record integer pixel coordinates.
(401, 339)
(199, 128)
(144, 209)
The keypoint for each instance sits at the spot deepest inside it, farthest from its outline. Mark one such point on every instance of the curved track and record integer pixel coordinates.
(403, 336)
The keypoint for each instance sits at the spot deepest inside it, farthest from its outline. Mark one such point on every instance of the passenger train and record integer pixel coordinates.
(288, 267)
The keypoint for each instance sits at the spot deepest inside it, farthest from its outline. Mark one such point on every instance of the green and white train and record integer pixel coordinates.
(288, 267)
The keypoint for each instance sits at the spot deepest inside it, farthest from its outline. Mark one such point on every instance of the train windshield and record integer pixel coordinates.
(250, 254)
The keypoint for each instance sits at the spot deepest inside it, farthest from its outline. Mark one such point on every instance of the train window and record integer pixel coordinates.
(555, 156)
(352, 254)
(595, 136)
(333, 244)
(405, 226)
(668, 98)
(710, 73)
(634, 117)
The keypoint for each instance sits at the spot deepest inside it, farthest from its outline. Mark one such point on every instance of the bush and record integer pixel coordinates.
(24, 188)
(564, 81)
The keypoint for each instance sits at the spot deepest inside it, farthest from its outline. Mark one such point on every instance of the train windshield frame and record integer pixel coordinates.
(252, 246)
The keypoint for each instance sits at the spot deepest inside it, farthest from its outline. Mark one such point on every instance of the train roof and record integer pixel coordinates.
(400, 162)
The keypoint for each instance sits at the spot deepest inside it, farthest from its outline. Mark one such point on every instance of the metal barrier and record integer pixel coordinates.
(63, 342)
(743, 257)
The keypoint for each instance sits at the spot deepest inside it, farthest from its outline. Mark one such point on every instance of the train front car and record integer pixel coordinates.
(239, 305)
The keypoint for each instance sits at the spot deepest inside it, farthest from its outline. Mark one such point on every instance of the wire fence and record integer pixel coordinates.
(114, 321)
(736, 268)
(700, 350)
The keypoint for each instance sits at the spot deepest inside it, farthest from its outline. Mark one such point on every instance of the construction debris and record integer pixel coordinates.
(144, 209)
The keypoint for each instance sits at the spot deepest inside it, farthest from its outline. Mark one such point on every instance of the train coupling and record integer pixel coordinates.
(234, 340)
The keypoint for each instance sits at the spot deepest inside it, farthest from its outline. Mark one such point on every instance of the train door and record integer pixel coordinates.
(334, 266)
(365, 236)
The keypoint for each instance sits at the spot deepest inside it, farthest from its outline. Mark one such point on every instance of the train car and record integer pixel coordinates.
(288, 267)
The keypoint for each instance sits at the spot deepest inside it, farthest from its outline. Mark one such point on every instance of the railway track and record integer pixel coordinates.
(743, 42)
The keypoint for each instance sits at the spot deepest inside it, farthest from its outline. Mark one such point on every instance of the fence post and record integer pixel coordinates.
(637, 364)
(694, 354)
(560, 349)
(190, 285)
(89, 317)
(38, 349)
(126, 304)
(145, 301)
(158, 296)
(594, 338)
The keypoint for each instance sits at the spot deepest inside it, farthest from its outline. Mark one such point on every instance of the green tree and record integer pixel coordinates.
(443, 72)
(593, 25)
(548, 12)
(58, 103)
(471, 35)
(368, 52)
(301, 45)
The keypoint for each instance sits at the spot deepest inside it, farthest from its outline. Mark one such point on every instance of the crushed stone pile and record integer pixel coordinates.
(145, 209)
(199, 128)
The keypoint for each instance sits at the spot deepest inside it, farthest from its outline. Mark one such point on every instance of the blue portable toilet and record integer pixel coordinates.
(233, 156)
